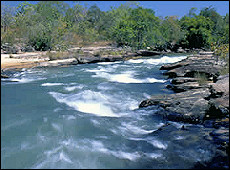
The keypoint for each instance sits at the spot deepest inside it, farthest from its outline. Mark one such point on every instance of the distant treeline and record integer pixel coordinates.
(53, 25)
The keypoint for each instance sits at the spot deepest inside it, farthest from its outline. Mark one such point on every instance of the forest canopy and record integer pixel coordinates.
(54, 25)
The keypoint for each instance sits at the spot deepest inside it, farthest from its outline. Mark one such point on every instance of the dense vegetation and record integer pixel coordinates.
(54, 25)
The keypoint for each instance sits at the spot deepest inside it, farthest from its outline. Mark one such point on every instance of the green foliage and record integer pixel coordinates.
(137, 28)
(202, 78)
(57, 55)
(222, 53)
(171, 31)
(54, 25)
(197, 31)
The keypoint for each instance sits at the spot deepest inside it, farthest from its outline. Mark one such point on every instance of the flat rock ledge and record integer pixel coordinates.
(189, 106)
(85, 59)
(201, 93)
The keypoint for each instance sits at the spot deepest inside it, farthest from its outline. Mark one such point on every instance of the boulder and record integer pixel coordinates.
(147, 53)
(186, 86)
(4, 76)
(111, 58)
(192, 66)
(219, 97)
(189, 106)
(54, 63)
(27, 49)
(9, 49)
(181, 80)
(173, 66)
(87, 59)
(180, 50)
(206, 53)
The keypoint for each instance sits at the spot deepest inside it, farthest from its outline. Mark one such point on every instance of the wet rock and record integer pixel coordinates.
(193, 65)
(206, 53)
(89, 59)
(54, 63)
(147, 53)
(173, 66)
(221, 135)
(93, 59)
(181, 80)
(186, 86)
(112, 58)
(189, 106)
(4, 76)
(180, 50)
(219, 98)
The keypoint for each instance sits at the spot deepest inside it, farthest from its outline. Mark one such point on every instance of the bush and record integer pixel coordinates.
(57, 55)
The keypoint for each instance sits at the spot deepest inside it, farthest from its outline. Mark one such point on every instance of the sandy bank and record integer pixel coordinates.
(23, 60)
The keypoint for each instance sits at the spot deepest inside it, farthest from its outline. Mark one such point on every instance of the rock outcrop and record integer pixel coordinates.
(202, 97)
(200, 91)
(189, 106)
(148, 53)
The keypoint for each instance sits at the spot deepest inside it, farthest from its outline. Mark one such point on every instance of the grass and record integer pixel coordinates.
(57, 55)
(225, 70)
(202, 78)
(108, 52)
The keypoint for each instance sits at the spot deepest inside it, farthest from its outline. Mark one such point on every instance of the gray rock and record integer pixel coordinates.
(54, 63)
(186, 86)
(181, 80)
(9, 49)
(4, 76)
(220, 94)
(192, 66)
(189, 106)
(206, 53)
(180, 50)
(111, 58)
(173, 66)
(89, 59)
(147, 53)
(27, 49)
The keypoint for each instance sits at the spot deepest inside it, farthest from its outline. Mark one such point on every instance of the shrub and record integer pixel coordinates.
(57, 55)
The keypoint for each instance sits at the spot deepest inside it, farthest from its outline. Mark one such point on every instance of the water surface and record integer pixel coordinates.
(87, 116)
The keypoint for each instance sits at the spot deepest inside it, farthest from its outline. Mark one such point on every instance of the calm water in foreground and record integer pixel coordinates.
(87, 116)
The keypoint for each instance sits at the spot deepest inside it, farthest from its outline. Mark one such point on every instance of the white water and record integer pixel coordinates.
(87, 116)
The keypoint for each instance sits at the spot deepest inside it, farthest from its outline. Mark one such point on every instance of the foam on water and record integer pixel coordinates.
(98, 146)
(135, 129)
(158, 144)
(86, 101)
(154, 155)
(15, 124)
(72, 88)
(162, 60)
(24, 80)
(52, 84)
(126, 77)
(108, 63)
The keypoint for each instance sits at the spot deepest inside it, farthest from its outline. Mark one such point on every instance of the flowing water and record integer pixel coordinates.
(87, 116)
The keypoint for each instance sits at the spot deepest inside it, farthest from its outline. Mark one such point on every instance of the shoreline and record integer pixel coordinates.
(198, 101)
(72, 57)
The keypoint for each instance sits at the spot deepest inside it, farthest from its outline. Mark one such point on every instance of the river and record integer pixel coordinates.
(87, 116)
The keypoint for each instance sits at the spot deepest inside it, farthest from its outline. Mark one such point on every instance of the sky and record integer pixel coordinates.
(161, 8)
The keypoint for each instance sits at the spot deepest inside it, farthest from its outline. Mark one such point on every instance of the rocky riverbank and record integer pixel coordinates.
(202, 97)
(72, 56)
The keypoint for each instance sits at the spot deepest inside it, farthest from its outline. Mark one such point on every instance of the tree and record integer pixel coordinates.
(197, 31)
(138, 28)
(171, 31)
(218, 23)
